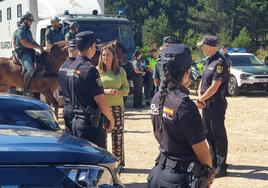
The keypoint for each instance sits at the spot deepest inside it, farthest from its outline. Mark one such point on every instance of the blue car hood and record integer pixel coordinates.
(19, 146)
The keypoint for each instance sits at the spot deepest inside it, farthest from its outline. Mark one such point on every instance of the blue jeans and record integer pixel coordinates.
(27, 63)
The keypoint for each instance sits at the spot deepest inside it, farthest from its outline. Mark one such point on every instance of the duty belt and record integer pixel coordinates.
(176, 165)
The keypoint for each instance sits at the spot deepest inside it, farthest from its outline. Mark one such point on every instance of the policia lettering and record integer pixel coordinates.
(177, 127)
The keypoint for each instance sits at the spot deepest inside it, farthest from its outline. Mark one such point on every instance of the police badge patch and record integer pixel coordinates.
(99, 82)
(219, 69)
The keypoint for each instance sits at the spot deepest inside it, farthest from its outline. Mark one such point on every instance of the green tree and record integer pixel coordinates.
(243, 40)
(192, 38)
(155, 29)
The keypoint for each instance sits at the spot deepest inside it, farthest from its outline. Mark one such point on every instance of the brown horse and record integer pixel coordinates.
(10, 74)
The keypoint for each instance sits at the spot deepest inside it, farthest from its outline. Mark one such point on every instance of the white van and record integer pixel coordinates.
(106, 28)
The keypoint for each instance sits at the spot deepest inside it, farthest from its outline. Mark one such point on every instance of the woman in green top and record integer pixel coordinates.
(115, 86)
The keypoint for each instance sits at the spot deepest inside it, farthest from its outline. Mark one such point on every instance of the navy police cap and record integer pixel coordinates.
(209, 40)
(177, 55)
(85, 39)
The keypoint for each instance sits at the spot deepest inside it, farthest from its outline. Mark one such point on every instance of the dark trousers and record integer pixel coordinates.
(213, 118)
(137, 98)
(168, 174)
(68, 117)
(148, 86)
(81, 128)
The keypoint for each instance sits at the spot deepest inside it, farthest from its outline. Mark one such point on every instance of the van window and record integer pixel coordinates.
(19, 11)
(9, 13)
(0, 15)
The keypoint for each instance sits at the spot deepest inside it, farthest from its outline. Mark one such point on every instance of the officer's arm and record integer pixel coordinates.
(105, 109)
(202, 152)
(218, 76)
(67, 36)
(27, 44)
(211, 90)
(156, 76)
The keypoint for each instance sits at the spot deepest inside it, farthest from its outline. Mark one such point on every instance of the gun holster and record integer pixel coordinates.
(94, 117)
(198, 175)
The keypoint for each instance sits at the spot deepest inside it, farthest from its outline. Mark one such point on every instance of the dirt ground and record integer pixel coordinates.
(247, 129)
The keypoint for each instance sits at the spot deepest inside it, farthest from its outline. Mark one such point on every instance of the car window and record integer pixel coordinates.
(22, 119)
(245, 60)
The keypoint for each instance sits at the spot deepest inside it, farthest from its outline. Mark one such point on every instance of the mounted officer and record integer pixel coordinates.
(54, 33)
(25, 45)
(74, 28)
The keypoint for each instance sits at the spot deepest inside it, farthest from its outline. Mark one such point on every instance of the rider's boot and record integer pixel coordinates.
(27, 81)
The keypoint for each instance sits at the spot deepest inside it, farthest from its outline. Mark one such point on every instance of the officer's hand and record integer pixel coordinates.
(200, 104)
(212, 174)
(110, 125)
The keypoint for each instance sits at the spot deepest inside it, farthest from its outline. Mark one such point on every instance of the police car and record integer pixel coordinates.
(247, 73)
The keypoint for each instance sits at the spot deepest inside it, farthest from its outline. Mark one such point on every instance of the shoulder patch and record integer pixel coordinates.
(168, 113)
(98, 80)
(219, 69)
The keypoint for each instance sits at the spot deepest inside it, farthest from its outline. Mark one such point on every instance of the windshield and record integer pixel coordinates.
(245, 60)
(110, 31)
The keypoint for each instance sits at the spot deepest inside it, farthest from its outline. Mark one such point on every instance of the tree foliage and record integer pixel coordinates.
(242, 40)
(154, 29)
(235, 22)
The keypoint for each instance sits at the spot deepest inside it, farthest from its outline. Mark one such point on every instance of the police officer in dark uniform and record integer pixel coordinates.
(62, 75)
(74, 28)
(25, 45)
(87, 93)
(178, 127)
(211, 93)
(54, 33)
(159, 74)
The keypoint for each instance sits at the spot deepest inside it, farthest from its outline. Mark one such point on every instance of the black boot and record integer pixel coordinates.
(27, 81)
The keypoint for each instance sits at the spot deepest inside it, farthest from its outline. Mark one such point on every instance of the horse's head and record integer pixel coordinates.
(59, 50)
(54, 58)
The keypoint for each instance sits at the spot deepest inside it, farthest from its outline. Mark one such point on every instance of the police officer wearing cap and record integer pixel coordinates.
(74, 28)
(211, 95)
(87, 94)
(25, 45)
(62, 76)
(177, 125)
(54, 33)
(158, 74)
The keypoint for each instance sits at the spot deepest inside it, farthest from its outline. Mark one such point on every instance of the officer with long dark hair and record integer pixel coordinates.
(184, 159)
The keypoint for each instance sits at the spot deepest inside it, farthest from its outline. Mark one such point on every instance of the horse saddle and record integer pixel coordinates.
(38, 65)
